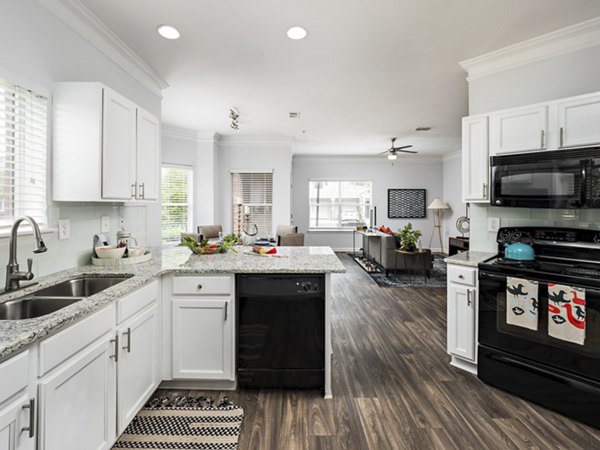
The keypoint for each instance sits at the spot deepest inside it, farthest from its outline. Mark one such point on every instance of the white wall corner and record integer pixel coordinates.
(453, 155)
(79, 18)
(550, 45)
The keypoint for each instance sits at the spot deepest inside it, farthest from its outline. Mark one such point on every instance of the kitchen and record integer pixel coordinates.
(54, 46)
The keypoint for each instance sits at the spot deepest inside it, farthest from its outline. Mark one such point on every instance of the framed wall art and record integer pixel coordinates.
(406, 203)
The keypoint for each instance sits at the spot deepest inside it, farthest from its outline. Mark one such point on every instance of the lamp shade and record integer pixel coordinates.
(437, 204)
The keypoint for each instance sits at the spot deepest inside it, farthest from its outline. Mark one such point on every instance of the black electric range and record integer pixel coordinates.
(560, 374)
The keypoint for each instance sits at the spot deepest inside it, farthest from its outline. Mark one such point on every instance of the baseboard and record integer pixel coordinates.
(202, 385)
(462, 364)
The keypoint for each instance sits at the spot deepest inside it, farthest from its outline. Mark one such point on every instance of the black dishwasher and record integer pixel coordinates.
(281, 331)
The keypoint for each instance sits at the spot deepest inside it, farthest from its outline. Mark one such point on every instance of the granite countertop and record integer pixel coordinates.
(15, 335)
(470, 258)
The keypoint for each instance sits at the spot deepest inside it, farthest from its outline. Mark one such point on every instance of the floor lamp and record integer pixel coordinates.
(437, 206)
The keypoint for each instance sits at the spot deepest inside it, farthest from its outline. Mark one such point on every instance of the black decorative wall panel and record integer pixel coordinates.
(406, 203)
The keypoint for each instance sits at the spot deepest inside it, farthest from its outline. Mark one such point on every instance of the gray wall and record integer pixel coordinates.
(570, 74)
(37, 49)
(426, 173)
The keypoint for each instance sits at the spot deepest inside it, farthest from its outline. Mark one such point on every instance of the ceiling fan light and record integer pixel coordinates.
(392, 156)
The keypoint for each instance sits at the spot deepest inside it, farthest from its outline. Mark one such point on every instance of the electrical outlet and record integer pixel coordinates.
(122, 223)
(493, 224)
(105, 228)
(64, 229)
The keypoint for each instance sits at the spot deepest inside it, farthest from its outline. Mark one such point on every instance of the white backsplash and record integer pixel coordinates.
(483, 240)
(77, 251)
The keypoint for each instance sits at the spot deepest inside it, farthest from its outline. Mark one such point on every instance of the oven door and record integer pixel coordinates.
(538, 181)
(538, 346)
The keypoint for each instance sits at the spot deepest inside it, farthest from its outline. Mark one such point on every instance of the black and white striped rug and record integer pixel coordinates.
(184, 423)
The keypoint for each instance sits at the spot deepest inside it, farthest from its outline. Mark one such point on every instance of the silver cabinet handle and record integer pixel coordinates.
(31, 407)
(468, 297)
(226, 305)
(142, 191)
(134, 190)
(462, 277)
(128, 346)
(199, 286)
(484, 189)
(543, 135)
(562, 137)
(116, 342)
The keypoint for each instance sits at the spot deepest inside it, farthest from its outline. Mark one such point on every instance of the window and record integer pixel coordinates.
(339, 204)
(23, 150)
(176, 202)
(255, 190)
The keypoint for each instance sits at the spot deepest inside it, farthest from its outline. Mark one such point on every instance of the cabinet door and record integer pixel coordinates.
(461, 321)
(147, 155)
(203, 339)
(13, 419)
(579, 121)
(518, 130)
(137, 372)
(78, 401)
(475, 159)
(118, 146)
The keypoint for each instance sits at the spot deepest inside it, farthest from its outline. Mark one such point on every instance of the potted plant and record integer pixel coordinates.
(409, 237)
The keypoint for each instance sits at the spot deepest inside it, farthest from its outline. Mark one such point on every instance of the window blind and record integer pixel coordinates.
(176, 202)
(255, 189)
(23, 154)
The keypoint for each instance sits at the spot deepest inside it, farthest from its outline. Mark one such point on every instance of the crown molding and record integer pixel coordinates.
(79, 18)
(566, 40)
(187, 134)
(366, 158)
(453, 155)
(254, 141)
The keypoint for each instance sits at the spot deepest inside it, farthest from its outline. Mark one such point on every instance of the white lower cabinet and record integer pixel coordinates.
(137, 367)
(15, 423)
(78, 401)
(203, 340)
(462, 316)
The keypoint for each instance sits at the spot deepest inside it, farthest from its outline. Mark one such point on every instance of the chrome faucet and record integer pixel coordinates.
(13, 276)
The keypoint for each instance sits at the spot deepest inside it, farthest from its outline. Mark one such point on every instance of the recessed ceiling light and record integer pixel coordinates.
(168, 32)
(296, 33)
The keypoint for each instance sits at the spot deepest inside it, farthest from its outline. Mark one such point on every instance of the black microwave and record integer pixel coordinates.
(553, 179)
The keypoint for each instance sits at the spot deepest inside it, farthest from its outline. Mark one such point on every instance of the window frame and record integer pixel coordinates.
(12, 82)
(341, 228)
(190, 203)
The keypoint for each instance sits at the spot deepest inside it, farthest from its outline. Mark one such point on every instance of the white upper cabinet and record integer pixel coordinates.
(147, 156)
(475, 159)
(118, 146)
(519, 130)
(105, 147)
(579, 121)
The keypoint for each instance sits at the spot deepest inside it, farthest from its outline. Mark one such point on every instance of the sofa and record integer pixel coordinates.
(381, 248)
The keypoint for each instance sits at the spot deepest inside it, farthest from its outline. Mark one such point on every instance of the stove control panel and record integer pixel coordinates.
(546, 236)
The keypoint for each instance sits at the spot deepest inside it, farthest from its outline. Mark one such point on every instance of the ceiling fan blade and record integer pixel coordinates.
(407, 151)
(404, 146)
(383, 153)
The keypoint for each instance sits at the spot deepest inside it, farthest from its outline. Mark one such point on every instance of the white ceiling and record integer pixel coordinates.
(368, 70)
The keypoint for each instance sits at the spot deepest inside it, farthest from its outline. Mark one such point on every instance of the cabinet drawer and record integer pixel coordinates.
(462, 275)
(205, 285)
(66, 343)
(136, 301)
(14, 374)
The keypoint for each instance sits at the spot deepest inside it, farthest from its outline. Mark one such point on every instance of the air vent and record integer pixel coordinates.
(294, 115)
(422, 128)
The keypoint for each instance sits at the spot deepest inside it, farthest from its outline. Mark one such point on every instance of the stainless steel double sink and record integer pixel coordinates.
(55, 297)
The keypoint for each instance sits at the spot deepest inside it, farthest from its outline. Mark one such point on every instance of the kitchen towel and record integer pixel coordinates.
(522, 303)
(566, 313)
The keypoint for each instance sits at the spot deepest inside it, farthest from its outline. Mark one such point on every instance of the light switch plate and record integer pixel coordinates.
(493, 224)
(105, 228)
(64, 229)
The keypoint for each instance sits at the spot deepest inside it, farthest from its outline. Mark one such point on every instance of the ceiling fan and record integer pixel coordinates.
(392, 151)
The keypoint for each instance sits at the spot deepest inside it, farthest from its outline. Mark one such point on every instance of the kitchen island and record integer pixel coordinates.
(18, 335)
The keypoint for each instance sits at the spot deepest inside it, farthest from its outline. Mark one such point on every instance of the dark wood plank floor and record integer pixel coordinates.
(394, 389)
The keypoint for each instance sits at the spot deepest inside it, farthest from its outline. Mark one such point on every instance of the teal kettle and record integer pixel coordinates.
(519, 252)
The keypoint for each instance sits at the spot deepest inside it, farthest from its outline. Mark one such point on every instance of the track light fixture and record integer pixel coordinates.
(234, 116)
